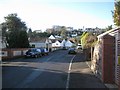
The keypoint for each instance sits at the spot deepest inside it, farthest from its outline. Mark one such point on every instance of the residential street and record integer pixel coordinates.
(49, 72)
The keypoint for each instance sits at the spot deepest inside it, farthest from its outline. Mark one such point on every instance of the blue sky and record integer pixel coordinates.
(42, 14)
(100, 9)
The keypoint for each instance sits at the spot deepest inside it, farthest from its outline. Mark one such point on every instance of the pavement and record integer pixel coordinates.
(110, 86)
(81, 75)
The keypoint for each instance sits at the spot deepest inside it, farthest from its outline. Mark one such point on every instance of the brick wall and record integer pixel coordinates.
(108, 59)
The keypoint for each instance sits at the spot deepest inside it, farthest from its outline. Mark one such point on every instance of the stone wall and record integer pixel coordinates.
(103, 61)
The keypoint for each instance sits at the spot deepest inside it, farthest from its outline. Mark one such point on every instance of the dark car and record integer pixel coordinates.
(44, 51)
(72, 51)
(33, 52)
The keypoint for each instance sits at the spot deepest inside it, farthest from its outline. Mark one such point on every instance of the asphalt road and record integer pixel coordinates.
(57, 70)
(45, 72)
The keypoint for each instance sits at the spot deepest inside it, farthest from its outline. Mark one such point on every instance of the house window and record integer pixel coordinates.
(33, 45)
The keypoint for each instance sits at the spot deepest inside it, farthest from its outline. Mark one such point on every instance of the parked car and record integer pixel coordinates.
(79, 46)
(44, 51)
(33, 52)
(72, 51)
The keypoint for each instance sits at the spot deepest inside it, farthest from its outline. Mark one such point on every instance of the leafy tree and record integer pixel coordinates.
(4, 34)
(88, 40)
(15, 32)
(23, 39)
(41, 34)
(109, 28)
(116, 13)
(63, 32)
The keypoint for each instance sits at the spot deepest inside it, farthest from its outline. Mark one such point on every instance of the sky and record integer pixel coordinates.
(43, 14)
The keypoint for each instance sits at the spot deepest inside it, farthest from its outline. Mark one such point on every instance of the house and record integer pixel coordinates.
(37, 42)
(48, 44)
(58, 37)
(66, 43)
(41, 42)
(57, 43)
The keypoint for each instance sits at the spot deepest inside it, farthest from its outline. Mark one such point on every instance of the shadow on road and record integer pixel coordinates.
(80, 57)
(26, 77)
(84, 80)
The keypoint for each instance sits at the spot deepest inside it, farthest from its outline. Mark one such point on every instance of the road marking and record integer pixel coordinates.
(29, 79)
(49, 58)
(68, 77)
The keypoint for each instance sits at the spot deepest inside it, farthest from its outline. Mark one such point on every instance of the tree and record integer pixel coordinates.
(15, 32)
(88, 40)
(109, 28)
(116, 13)
(29, 32)
(4, 34)
(63, 32)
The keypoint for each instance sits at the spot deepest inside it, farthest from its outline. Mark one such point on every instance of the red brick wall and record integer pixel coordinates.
(108, 59)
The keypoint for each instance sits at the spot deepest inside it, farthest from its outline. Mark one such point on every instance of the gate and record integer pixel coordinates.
(117, 64)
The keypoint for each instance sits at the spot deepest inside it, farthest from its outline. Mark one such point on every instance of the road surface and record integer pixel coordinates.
(45, 72)
(57, 70)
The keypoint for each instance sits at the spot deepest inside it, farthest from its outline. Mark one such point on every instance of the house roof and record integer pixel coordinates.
(60, 41)
(51, 37)
(111, 32)
(38, 39)
(72, 40)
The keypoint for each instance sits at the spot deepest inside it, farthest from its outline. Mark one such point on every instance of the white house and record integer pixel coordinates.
(37, 44)
(56, 44)
(66, 43)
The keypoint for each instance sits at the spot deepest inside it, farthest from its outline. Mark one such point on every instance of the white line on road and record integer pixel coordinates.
(29, 79)
(49, 58)
(68, 77)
